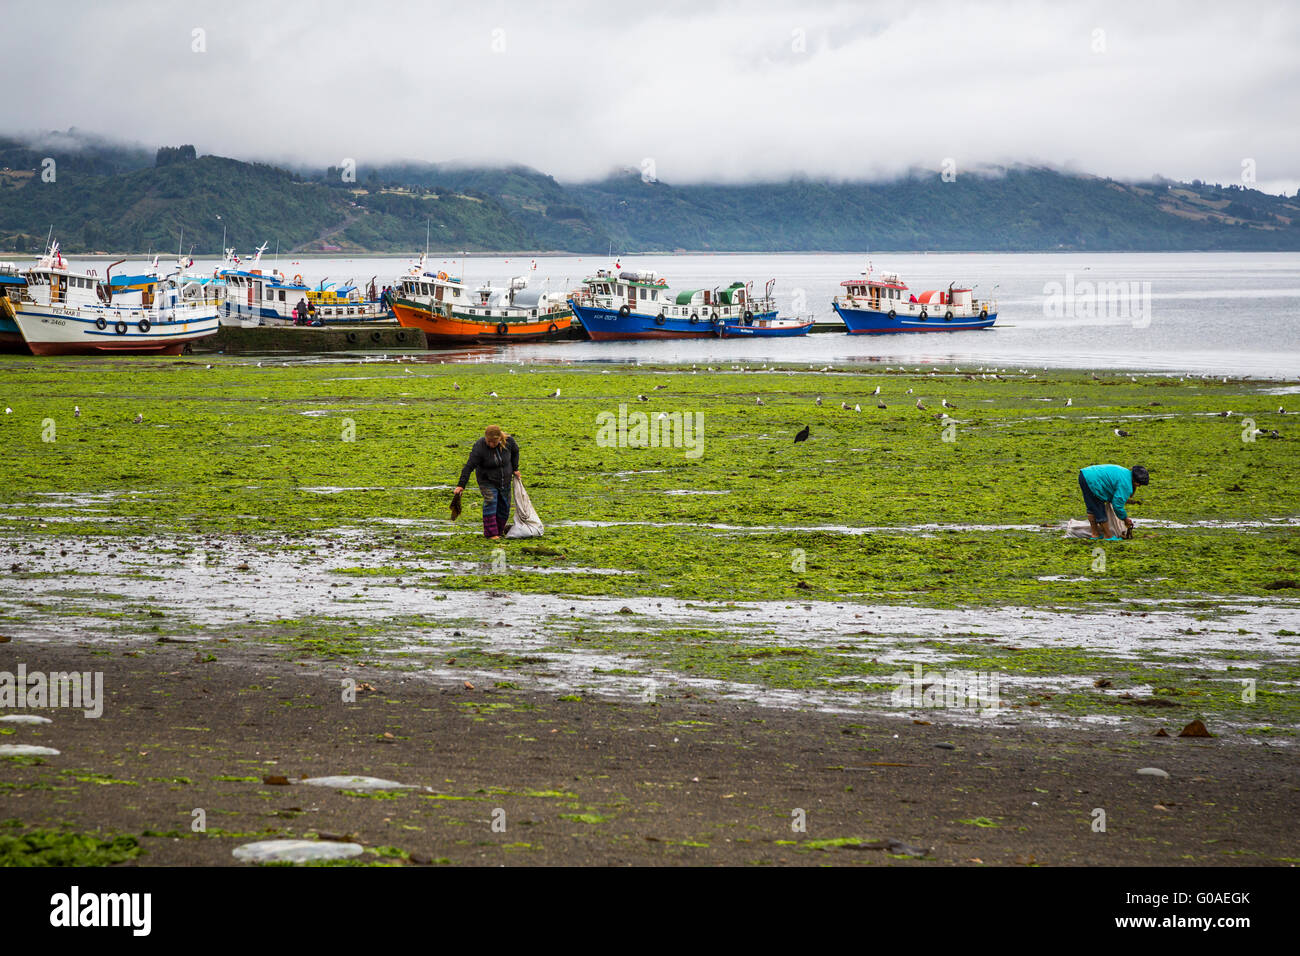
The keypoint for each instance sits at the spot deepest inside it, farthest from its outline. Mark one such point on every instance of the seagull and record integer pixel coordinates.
(1069, 402)
(803, 435)
(554, 394)
(642, 398)
(1225, 414)
(76, 411)
(662, 416)
(844, 406)
(1120, 433)
(946, 404)
(455, 386)
(877, 391)
(1281, 410)
(908, 392)
(819, 402)
(493, 395)
(758, 401)
(881, 405)
(209, 366)
(919, 405)
(8, 410)
(138, 418)
(1274, 434)
(857, 408)
(657, 387)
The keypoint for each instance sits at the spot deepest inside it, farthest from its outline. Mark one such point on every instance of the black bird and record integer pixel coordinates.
(802, 436)
(1121, 433)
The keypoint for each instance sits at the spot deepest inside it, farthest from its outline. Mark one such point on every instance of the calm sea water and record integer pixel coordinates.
(1227, 313)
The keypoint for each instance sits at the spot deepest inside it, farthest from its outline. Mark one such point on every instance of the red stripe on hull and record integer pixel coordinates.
(615, 337)
(80, 348)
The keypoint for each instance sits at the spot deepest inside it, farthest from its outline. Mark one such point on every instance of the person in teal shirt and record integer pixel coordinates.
(1109, 484)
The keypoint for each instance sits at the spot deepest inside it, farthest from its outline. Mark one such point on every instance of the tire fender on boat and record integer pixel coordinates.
(893, 314)
(659, 319)
(352, 337)
(144, 325)
(749, 317)
(376, 335)
(984, 313)
(923, 316)
(553, 328)
(713, 319)
(624, 311)
(120, 327)
(694, 319)
(502, 329)
(101, 324)
(947, 316)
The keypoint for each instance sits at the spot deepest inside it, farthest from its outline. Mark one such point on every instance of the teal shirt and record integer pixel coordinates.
(1113, 483)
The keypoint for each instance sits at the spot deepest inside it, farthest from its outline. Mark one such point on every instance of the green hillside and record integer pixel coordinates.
(121, 199)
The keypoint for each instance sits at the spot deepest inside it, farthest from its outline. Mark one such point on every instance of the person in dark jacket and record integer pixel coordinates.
(495, 459)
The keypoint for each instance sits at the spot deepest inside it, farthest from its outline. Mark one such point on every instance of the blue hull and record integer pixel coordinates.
(866, 321)
(604, 325)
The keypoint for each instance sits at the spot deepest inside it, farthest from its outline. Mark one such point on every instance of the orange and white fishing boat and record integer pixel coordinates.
(439, 305)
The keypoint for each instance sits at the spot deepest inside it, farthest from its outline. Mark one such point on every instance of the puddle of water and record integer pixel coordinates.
(295, 851)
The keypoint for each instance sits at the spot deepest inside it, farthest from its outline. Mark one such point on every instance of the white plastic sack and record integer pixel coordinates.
(1112, 527)
(527, 524)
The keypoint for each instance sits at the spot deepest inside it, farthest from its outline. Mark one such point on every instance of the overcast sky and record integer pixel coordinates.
(705, 90)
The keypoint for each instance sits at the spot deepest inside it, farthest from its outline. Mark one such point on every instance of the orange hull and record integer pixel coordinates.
(441, 327)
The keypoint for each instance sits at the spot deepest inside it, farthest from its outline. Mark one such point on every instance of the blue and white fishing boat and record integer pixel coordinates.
(637, 304)
(259, 297)
(881, 303)
(63, 311)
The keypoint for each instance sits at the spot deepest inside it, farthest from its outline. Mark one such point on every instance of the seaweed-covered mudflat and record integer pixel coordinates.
(902, 572)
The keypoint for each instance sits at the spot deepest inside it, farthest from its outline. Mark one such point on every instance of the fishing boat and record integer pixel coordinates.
(881, 303)
(448, 313)
(259, 297)
(763, 327)
(345, 304)
(637, 304)
(12, 286)
(66, 312)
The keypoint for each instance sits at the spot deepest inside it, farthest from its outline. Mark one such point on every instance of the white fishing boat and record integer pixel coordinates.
(63, 311)
(255, 296)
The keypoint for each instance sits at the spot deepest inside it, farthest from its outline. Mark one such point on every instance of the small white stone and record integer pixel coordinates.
(1152, 772)
(295, 851)
(356, 783)
(26, 750)
(24, 719)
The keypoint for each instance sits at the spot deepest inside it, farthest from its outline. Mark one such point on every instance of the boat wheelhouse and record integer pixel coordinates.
(637, 304)
(62, 311)
(260, 297)
(882, 303)
(447, 312)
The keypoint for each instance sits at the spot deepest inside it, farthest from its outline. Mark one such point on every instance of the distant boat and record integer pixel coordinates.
(345, 304)
(637, 304)
(881, 303)
(65, 312)
(447, 313)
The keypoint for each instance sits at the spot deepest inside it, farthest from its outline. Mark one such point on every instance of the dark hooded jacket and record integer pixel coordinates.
(495, 466)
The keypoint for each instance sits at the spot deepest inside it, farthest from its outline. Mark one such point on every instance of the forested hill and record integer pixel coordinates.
(102, 197)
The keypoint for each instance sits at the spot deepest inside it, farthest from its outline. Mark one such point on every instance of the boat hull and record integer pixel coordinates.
(445, 329)
(61, 331)
(612, 325)
(871, 322)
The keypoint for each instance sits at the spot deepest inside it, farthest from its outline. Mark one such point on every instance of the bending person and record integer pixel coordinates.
(1109, 484)
(495, 459)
